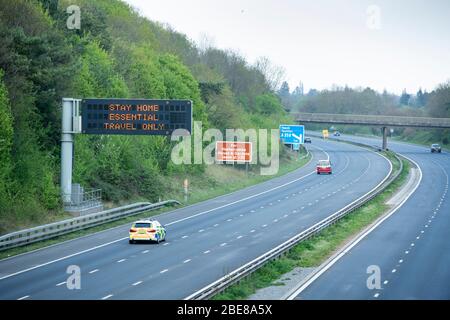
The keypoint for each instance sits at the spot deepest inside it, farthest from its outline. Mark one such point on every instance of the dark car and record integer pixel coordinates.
(307, 140)
(435, 148)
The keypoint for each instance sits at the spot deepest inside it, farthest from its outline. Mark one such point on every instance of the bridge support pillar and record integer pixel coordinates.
(384, 131)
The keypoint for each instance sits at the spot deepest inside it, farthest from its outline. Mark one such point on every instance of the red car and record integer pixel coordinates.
(324, 166)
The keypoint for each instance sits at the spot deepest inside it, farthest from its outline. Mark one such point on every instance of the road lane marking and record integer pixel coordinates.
(376, 295)
(107, 297)
(173, 222)
(223, 244)
(164, 271)
(184, 237)
(207, 251)
(385, 282)
(137, 283)
(394, 270)
(252, 231)
(145, 251)
(239, 237)
(23, 298)
(93, 271)
(61, 283)
(121, 260)
(216, 225)
(187, 260)
(201, 230)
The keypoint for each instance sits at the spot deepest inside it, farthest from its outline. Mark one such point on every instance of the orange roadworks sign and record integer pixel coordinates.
(233, 151)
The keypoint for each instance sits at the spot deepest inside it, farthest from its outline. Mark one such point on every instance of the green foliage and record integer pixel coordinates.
(116, 53)
(6, 139)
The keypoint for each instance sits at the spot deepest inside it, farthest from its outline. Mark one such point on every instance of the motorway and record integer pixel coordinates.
(205, 241)
(411, 247)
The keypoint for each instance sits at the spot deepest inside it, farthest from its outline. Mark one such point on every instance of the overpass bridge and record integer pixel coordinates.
(373, 120)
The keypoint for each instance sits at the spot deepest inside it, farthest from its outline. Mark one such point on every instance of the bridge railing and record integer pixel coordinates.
(394, 121)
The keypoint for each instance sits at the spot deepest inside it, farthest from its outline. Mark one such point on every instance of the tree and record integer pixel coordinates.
(404, 98)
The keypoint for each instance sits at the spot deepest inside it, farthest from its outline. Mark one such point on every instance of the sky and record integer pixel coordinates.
(382, 44)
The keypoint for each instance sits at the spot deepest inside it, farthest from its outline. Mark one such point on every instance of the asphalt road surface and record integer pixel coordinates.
(204, 241)
(411, 248)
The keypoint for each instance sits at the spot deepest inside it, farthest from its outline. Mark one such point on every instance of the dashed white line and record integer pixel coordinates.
(165, 244)
(187, 260)
(251, 231)
(201, 230)
(107, 297)
(275, 220)
(184, 237)
(385, 282)
(216, 225)
(406, 251)
(400, 261)
(239, 237)
(412, 244)
(23, 298)
(376, 295)
(164, 271)
(264, 225)
(145, 251)
(207, 251)
(93, 271)
(121, 260)
(137, 283)
(223, 244)
(394, 270)
(61, 283)
(229, 220)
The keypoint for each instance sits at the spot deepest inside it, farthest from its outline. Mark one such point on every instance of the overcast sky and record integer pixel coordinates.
(382, 44)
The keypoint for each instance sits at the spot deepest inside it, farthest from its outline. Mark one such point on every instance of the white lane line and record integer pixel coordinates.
(239, 237)
(61, 283)
(251, 231)
(412, 244)
(137, 283)
(93, 271)
(406, 252)
(23, 298)
(216, 225)
(184, 237)
(168, 224)
(223, 244)
(285, 216)
(400, 261)
(302, 208)
(417, 237)
(264, 225)
(394, 270)
(121, 260)
(253, 195)
(107, 297)
(230, 220)
(241, 215)
(186, 261)
(201, 230)
(275, 220)
(145, 251)
(385, 282)
(165, 244)
(376, 295)
(207, 251)
(164, 271)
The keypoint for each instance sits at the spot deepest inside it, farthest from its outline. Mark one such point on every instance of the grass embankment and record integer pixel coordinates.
(217, 180)
(314, 251)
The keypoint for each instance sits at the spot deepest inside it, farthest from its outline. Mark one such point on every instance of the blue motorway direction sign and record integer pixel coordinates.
(292, 134)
